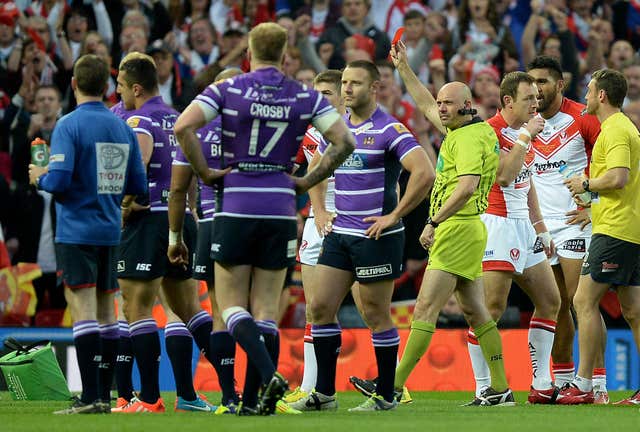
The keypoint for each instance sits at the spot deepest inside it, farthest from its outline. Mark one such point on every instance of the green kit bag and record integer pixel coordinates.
(32, 372)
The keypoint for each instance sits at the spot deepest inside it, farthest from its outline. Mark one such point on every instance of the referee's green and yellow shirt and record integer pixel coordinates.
(471, 149)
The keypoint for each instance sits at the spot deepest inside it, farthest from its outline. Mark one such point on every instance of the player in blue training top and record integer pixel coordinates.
(264, 118)
(89, 171)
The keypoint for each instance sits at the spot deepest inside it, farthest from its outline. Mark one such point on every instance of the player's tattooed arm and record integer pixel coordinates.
(333, 156)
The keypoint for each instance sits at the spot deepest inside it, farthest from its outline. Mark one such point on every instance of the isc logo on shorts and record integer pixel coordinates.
(121, 266)
(143, 267)
(215, 247)
(374, 271)
(201, 269)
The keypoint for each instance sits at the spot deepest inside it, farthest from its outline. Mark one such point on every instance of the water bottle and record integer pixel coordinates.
(39, 152)
(585, 196)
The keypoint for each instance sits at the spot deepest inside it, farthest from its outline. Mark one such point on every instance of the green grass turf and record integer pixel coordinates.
(430, 411)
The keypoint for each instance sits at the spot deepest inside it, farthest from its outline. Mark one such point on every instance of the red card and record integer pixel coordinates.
(397, 36)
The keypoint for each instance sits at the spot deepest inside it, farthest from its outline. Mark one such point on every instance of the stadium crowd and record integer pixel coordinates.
(479, 42)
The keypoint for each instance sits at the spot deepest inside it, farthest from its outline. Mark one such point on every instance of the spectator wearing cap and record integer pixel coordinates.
(175, 90)
(354, 20)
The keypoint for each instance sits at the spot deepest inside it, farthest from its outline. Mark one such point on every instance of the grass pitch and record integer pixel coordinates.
(430, 411)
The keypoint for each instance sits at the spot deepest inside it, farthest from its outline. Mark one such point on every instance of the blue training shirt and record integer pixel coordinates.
(101, 154)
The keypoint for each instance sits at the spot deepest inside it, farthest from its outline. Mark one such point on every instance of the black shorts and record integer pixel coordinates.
(87, 266)
(269, 244)
(612, 261)
(202, 263)
(143, 248)
(370, 260)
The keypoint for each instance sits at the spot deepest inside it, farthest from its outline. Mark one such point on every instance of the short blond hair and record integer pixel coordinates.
(135, 55)
(267, 42)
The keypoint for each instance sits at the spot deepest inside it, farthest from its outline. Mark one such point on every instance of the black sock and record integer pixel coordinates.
(86, 338)
(327, 340)
(109, 339)
(385, 345)
(146, 347)
(179, 345)
(269, 332)
(200, 326)
(222, 349)
(245, 331)
(124, 362)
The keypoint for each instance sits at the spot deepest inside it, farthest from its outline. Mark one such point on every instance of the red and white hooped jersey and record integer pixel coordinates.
(308, 147)
(567, 139)
(510, 201)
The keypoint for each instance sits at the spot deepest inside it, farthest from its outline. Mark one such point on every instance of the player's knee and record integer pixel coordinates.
(584, 303)
(321, 311)
(376, 317)
(495, 307)
(631, 314)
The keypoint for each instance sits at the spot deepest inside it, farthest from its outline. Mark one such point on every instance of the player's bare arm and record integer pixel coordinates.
(467, 185)
(613, 179)
(421, 178)
(535, 216)
(342, 145)
(511, 161)
(322, 218)
(180, 183)
(185, 129)
(423, 98)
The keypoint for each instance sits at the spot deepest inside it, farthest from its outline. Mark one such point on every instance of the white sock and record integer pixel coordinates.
(480, 367)
(564, 373)
(310, 374)
(585, 385)
(541, 334)
(600, 379)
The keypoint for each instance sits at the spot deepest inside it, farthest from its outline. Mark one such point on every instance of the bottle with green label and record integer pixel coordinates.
(39, 152)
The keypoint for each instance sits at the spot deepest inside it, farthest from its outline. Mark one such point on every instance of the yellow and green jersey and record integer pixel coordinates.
(472, 149)
(616, 212)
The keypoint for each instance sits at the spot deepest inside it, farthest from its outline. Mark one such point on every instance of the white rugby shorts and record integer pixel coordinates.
(570, 241)
(512, 245)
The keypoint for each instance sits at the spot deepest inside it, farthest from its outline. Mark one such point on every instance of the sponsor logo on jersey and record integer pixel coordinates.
(111, 167)
(369, 141)
(374, 271)
(400, 128)
(133, 121)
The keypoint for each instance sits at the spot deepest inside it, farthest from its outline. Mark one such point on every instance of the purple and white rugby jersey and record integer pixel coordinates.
(366, 182)
(209, 137)
(156, 119)
(264, 118)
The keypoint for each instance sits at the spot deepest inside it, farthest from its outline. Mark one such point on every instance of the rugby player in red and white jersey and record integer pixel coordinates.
(320, 218)
(567, 139)
(518, 238)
